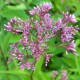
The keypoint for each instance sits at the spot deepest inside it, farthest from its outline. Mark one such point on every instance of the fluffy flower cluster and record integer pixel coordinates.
(65, 33)
(42, 9)
(35, 33)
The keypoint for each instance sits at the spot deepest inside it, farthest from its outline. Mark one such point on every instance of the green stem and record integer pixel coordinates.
(32, 75)
(5, 62)
(3, 57)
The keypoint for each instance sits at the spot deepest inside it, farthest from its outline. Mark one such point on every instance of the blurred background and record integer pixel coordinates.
(60, 61)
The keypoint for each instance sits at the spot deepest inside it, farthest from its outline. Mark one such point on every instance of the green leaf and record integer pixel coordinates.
(38, 66)
(10, 13)
(18, 7)
(4, 40)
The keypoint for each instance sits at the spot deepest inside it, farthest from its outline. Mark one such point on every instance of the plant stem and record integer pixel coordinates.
(32, 75)
(3, 57)
(5, 62)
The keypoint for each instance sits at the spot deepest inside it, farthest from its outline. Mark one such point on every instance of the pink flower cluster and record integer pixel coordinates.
(42, 9)
(35, 33)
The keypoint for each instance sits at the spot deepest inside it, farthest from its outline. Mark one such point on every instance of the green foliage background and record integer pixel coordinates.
(60, 61)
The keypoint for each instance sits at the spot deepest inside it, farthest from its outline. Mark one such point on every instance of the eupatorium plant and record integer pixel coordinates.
(36, 31)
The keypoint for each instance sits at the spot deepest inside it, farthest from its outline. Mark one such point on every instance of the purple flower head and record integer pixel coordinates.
(45, 7)
(47, 21)
(42, 9)
(72, 18)
(58, 25)
(71, 47)
(64, 75)
(54, 74)
(36, 49)
(25, 39)
(68, 18)
(14, 25)
(23, 65)
(47, 58)
(36, 24)
(67, 33)
(33, 12)
(16, 53)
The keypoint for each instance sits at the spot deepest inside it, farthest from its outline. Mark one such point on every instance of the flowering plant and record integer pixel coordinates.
(36, 32)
